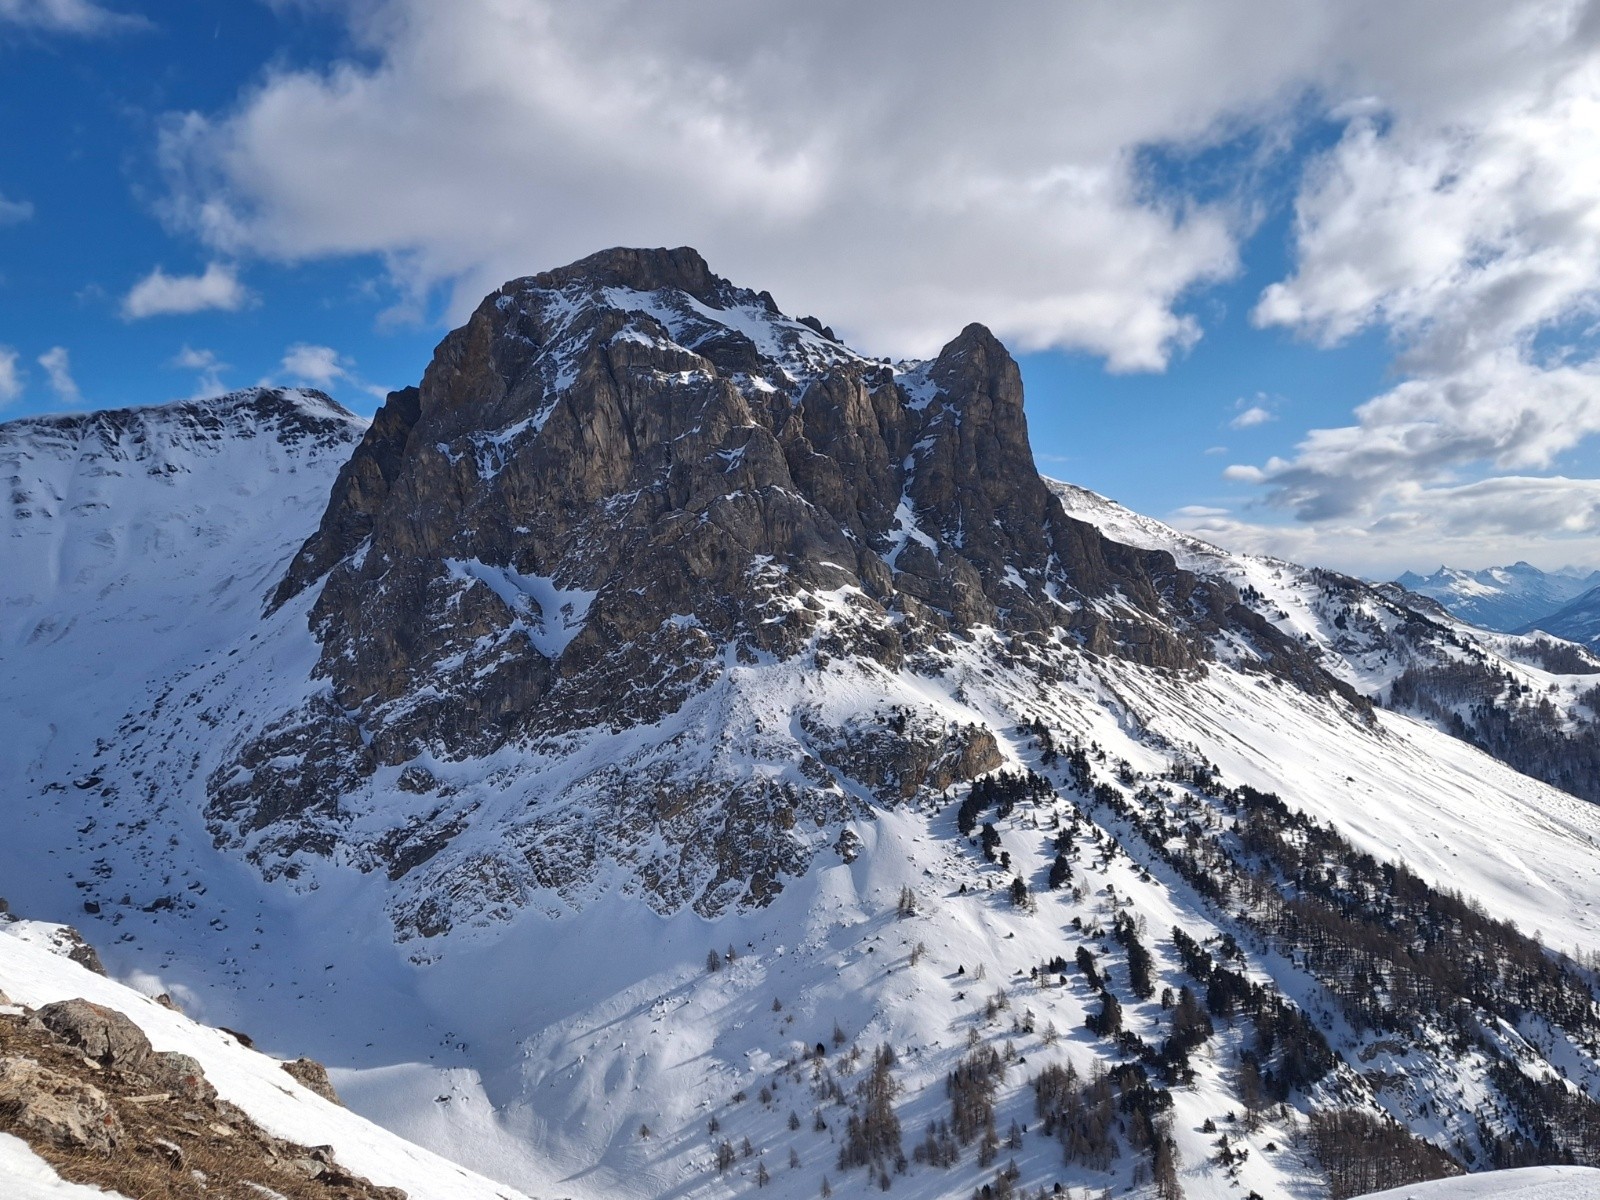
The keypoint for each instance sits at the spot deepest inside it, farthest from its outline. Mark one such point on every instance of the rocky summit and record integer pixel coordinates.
(621, 483)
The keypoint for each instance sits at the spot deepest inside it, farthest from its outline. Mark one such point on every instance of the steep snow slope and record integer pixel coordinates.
(1501, 598)
(1529, 699)
(563, 1032)
(138, 541)
(32, 974)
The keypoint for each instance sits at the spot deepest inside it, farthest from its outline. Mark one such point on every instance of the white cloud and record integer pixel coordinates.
(190, 359)
(11, 381)
(67, 16)
(1500, 410)
(160, 294)
(1249, 418)
(316, 365)
(57, 364)
(1459, 213)
(1461, 224)
(323, 366)
(900, 181)
(14, 212)
(985, 169)
(207, 366)
(1549, 520)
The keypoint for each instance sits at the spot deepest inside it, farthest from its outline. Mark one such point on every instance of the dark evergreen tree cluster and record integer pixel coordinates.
(1140, 980)
(1191, 1029)
(990, 841)
(1088, 969)
(1002, 792)
(1060, 872)
(971, 1087)
(1106, 1023)
(1289, 1052)
(872, 1133)
(1044, 739)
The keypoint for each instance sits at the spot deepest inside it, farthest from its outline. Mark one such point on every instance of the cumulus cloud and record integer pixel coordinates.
(934, 172)
(11, 381)
(320, 366)
(1250, 413)
(207, 366)
(57, 364)
(1465, 222)
(160, 294)
(66, 16)
(1498, 409)
(1462, 224)
(323, 367)
(906, 178)
(1551, 520)
(14, 212)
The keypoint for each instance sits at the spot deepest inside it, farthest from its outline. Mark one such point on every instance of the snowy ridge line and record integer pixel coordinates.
(1530, 699)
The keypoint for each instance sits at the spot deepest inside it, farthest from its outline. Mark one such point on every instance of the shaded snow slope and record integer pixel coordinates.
(1578, 621)
(138, 541)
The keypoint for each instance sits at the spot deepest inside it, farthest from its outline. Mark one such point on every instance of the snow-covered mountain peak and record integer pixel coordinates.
(1501, 598)
(155, 433)
(671, 298)
(630, 503)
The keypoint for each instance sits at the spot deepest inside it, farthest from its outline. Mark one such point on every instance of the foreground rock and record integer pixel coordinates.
(81, 1084)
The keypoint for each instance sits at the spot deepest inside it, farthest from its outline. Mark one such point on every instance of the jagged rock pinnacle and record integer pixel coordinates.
(623, 476)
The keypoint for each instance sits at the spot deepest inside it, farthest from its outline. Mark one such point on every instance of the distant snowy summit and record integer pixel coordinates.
(1502, 598)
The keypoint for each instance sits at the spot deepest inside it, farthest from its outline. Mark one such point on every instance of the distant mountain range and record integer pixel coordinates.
(1518, 597)
(1578, 621)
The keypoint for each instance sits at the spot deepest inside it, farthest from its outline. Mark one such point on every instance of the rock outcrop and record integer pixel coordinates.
(309, 1073)
(81, 1084)
(38, 1104)
(617, 486)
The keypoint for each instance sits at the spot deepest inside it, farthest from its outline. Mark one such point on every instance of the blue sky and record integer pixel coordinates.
(1375, 223)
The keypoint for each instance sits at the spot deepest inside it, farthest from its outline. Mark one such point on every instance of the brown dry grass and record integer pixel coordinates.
(221, 1154)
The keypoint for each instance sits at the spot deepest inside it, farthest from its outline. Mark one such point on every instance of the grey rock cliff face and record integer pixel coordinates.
(622, 478)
